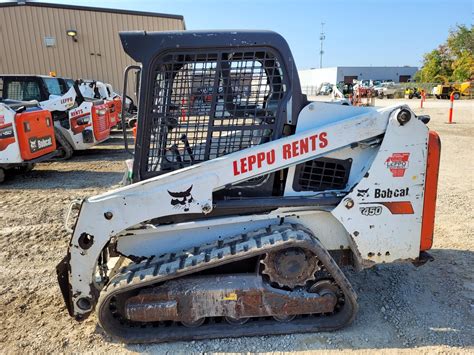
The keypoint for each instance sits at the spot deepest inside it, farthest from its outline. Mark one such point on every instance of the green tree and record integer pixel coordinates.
(461, 45)
(452, 60)
(463, 67)
(436, 66)
(461, 40)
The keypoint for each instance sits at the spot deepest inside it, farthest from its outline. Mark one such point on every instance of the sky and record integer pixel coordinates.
(358, 32)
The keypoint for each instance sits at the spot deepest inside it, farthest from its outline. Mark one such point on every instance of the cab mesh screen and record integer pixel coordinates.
(206, 105)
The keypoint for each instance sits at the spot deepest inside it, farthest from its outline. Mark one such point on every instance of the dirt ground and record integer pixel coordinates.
(402, 308)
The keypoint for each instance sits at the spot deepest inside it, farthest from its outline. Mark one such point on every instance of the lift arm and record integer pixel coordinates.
(189, 190)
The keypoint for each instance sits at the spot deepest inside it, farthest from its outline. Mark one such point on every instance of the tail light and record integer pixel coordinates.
(83, 120)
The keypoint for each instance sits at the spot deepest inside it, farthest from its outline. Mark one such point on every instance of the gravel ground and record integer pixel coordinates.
(402, 308)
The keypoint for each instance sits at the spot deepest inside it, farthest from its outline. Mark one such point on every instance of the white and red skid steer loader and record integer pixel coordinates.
(246, 207)
(79, 123)
(94, 89)
(26, 136)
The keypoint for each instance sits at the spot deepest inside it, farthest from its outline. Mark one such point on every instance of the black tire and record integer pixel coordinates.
(26, 168)
(63, 147)
(410, 96)
(457, 96)
(2, 175)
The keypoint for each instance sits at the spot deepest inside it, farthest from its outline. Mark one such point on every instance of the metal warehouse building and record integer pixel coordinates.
(334, 75)
(73, 41)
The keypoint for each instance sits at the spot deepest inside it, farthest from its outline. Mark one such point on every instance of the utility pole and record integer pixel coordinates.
(322, 37)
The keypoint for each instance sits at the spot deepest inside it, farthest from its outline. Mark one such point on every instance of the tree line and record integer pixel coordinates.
(452, 61)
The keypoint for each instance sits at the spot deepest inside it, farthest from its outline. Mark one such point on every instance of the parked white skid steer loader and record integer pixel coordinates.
(79, 123)
(93, 89)
(248, 202)
(26, 136)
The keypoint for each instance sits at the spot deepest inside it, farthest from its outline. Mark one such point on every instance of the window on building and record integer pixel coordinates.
(404, 78)
(348, 79)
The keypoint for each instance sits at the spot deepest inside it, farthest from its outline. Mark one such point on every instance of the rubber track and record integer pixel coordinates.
(169, 266)
(69, 151)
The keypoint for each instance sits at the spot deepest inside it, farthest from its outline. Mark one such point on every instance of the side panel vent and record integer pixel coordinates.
(322, 174)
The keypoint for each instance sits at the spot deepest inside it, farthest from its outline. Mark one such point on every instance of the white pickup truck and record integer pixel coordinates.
(387, 90)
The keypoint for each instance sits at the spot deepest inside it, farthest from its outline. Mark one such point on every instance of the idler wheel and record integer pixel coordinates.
(324, 287)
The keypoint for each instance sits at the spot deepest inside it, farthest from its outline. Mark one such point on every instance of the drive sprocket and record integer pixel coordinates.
(290, 267)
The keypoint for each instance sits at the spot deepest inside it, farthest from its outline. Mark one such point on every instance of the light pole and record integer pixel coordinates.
(322, 37)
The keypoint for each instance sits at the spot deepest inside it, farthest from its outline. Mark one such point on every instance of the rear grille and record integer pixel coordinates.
(206, 105)
(101, 123)
(322, 174)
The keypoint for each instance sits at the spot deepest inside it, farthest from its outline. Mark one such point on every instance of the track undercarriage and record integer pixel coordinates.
(195, 294)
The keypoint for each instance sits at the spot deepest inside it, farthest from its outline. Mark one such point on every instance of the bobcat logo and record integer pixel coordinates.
(363, 193)
(182, 200)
